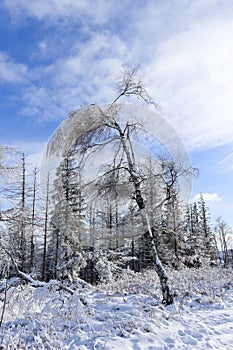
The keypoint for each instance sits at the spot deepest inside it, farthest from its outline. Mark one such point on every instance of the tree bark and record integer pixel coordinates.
(23, 224)
(166, 292)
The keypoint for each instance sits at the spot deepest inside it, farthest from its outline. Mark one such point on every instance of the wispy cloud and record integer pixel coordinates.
(54, 10)
(192, 77)
(185, 47)
(88, 75)
(11, 72)
(227, 162)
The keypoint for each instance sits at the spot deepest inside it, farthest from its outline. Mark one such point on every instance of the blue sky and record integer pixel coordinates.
(58, 55)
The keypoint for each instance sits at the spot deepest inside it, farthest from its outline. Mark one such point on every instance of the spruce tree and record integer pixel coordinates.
(209, 243)
(67, 220)
(194, 239)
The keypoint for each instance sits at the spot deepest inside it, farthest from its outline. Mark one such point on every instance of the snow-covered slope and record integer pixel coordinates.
(125, 314)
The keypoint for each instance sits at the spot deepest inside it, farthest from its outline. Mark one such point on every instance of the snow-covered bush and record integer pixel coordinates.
(115, 314)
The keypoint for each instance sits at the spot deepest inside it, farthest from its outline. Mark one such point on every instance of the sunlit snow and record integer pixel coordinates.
(125, 314)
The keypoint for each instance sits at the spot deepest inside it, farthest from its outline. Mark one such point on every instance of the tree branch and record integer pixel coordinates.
(36, 283)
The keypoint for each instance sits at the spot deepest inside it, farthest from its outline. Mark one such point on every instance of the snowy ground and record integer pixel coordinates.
(125, 314)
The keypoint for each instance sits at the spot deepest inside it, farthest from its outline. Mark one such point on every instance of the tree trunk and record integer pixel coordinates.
(45, 231)
(32, 244)
(167, 295)
(23, 224)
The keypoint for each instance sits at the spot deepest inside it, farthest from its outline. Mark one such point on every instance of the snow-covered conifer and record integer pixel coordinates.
(67, 220)
(210, 253)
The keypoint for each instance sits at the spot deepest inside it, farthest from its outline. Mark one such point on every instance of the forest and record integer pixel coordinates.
(92, 222)
(100, 248)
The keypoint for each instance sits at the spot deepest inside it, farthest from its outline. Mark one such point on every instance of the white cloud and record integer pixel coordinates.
(208, 197)
(185, 47)
(62, 9)
(11, 72)
(227, 162)
(87, 76)
(42, 46)
(192, 77)
(33, 151)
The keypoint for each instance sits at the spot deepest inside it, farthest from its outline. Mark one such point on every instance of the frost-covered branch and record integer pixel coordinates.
(130, 84)
(24, 276)
(36, 283)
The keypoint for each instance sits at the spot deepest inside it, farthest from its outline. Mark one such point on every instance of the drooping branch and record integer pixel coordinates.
(37, 284)
(21, 274)
(130, 85)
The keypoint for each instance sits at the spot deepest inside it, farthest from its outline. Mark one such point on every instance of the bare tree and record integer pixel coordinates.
(33, 221)
(17, 216)
(223, 232)
(46, 229)
(108, 129)
(9, 157)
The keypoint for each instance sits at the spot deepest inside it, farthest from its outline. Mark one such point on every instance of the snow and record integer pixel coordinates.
(124, 314)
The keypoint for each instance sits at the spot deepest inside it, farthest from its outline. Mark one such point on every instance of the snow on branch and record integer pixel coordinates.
(131, 84)
(35, 283)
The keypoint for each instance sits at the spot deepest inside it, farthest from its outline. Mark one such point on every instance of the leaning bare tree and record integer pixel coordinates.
(104, 129)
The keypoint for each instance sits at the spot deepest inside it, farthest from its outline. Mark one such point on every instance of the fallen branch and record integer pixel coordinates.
(35, 283)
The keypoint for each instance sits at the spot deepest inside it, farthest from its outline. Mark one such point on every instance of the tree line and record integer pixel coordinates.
(78, 231)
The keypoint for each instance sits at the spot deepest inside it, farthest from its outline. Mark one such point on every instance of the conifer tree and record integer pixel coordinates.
(209, 243)
(18, 216)
(67, 220)
(194, 239)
